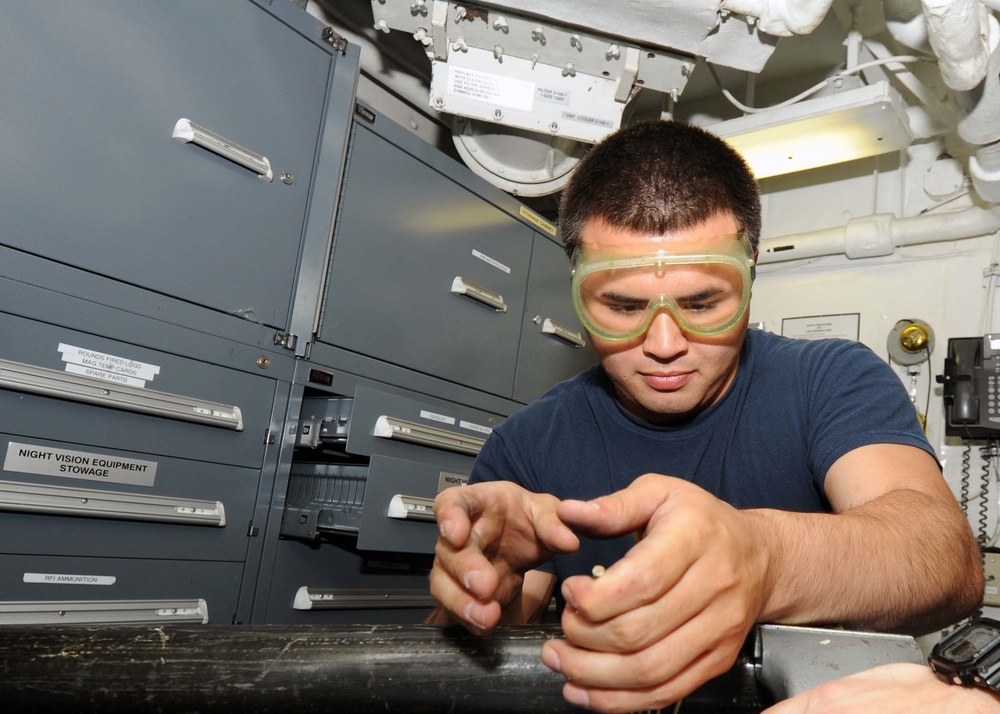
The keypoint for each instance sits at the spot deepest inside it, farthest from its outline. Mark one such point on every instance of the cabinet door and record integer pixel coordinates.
(554, 345)
(405, 233)
(91, 94)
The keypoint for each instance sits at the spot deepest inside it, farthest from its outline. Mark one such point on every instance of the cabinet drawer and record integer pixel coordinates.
(425, 274)
(394, 484)
(346, 587)
(554, 346)
(173, 590)
(59, 384)
(106, 188)
(121, 504)
(384, 423)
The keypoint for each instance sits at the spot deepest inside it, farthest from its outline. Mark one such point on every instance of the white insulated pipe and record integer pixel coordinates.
(905, 21)
(880, 235)
(782, 18)
(959, 32)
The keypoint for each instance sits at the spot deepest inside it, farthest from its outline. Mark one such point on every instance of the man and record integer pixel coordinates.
(724, 476)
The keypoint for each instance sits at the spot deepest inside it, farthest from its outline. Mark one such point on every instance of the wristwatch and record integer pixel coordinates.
(970, 655)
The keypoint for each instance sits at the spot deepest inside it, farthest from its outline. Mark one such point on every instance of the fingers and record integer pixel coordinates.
(622, 512)
(655, 677)
(491, 534)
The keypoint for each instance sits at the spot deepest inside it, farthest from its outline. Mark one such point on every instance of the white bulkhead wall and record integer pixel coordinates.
(941, 283)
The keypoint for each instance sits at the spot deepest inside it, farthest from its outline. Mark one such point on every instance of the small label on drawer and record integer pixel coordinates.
(424, 414)
(447, 480)
(57, 579)
(495, 263)
(110, 368)
(475, 427)
(49, 461)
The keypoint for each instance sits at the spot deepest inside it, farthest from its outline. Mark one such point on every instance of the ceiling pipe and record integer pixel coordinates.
(782, 18)
(880, 235)
(958, 31)
(905, 21)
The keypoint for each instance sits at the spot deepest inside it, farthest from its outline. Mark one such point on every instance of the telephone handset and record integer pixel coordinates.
(971, 382)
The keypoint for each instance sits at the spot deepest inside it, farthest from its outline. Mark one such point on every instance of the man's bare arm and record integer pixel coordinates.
(899, 554)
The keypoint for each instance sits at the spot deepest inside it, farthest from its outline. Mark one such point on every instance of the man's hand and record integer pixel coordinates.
(671, 614)
(491, 534)
(901, 688)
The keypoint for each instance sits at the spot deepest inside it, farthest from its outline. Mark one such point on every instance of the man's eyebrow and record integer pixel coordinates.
(623, 299)
(705, 294)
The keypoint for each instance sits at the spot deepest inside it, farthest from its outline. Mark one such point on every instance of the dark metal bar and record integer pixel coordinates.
(302, 669)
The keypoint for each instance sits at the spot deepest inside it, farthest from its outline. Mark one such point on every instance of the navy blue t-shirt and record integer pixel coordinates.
(793, 409)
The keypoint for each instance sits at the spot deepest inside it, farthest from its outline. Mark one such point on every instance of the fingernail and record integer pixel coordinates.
(551, 658)
(589, 505)
(467, 614)
(568, 596)
(443, 530)
(469, 577)
(576, 696)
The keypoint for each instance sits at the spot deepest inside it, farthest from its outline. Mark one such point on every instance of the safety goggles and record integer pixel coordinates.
(618, 290)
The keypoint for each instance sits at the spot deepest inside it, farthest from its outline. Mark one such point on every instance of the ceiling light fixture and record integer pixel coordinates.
(852, 124)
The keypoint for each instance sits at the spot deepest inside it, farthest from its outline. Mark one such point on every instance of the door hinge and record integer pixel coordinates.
(338, 43)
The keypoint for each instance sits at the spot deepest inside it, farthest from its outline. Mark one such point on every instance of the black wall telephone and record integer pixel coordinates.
(971, 382)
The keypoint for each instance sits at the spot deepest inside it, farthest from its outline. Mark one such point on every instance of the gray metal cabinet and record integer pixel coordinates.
(93, 92)
(369, 464)
(553, 345)
(130, 475)
(425, 273)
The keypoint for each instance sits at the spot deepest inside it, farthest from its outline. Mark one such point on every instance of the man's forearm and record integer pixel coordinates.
(904, 562)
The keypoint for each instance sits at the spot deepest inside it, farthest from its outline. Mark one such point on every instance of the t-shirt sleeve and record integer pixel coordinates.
(497, 461)
(855, 399)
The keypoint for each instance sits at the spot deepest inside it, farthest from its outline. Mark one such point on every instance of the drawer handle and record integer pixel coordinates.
(387, 427)
(66, 501)
(307, 598)
(186, 131)
(551, 327)
(104, 612)
(461, 286)
(411, 508)
(53, 383)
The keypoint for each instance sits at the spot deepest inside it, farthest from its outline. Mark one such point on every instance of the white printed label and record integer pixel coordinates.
(550, 94)
(105, 376)
(437, 417)
(495, 263)
(56, 579)
(49, 461)
(493, 88)
(475, 427)
(110, 368)
(447, 480)
(588, 120)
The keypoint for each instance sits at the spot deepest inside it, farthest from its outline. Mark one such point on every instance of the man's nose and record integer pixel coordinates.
(664, 338)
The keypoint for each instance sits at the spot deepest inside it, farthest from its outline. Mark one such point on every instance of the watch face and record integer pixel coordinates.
(973, 642)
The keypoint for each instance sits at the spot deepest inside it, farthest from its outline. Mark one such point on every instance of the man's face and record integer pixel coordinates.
(665, 375)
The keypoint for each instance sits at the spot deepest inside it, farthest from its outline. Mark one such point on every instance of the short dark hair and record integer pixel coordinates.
(658, 176)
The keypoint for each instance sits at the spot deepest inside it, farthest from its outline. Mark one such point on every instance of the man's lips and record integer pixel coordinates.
(666, 382)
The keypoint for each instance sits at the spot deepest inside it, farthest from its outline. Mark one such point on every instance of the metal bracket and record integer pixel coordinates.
(286, 340)
(338, 43)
